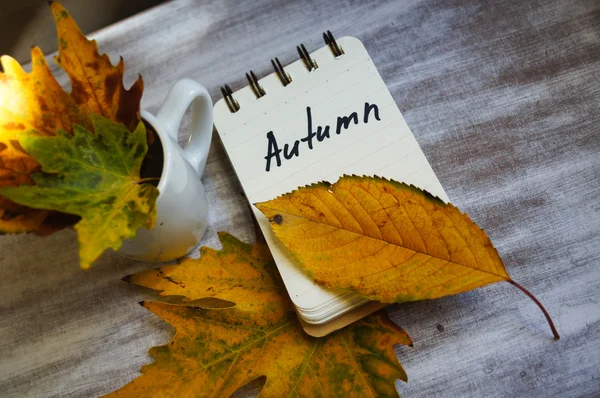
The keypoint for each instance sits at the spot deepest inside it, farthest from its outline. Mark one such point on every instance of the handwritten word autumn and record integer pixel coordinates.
(321, 133)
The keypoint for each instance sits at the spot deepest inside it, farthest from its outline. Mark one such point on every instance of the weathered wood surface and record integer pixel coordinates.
(504, 98)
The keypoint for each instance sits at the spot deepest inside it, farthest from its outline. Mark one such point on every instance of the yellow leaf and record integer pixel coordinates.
(16, 219)
(28, 101)
(216, 351)
(97, 85)
(240, 274)
(386, 240)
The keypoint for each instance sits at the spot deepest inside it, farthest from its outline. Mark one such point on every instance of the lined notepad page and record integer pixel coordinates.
(384, 147)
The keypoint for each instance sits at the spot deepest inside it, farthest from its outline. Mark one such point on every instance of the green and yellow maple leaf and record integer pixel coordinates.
(95, 176)
(216, 351)
(36, 102)
(385, 240)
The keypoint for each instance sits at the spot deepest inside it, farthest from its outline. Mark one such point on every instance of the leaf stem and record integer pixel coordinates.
(535, 300)
(143, 180)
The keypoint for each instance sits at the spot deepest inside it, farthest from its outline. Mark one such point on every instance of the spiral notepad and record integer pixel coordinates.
(325, 115)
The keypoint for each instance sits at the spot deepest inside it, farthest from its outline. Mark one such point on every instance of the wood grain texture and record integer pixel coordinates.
(503, 97)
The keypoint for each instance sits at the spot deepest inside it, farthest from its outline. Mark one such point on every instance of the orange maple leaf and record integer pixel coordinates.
(28, 101)
(97, 85)
(35, 101)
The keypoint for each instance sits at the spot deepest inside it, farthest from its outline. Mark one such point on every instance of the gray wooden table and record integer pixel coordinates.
(504, 98)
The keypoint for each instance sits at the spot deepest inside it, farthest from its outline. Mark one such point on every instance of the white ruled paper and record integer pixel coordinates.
(338, 88)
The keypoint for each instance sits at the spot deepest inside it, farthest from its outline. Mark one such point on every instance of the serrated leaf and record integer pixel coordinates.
(95, 176)
(15, 219)
(35, 101)
(240, 273)
(215, 352)
(385, 240)
(96, 84)
(28, 102)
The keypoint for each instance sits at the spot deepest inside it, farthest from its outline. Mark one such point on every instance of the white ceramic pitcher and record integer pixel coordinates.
(182, 206)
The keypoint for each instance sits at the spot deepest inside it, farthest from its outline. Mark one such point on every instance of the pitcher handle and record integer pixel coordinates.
(184, 93)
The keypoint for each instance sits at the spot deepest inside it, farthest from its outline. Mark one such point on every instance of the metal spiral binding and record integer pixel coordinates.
(284, 77)
(310, 63)
(257, 88)
(231, 102)
(330, 41)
